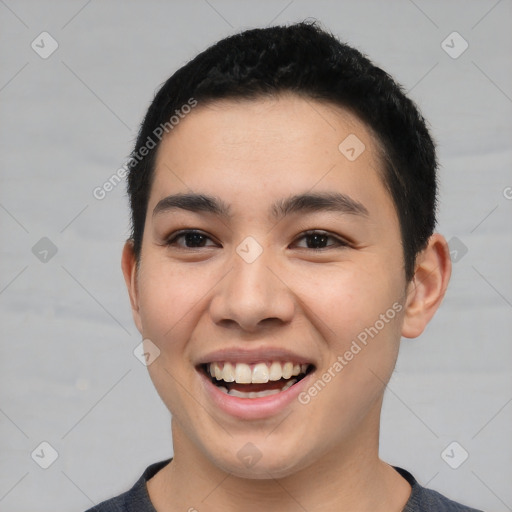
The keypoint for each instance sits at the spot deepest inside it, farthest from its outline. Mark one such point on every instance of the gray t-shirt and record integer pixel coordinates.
(137, 498)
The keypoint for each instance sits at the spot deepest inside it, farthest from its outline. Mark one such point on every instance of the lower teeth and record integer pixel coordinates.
(257, 394)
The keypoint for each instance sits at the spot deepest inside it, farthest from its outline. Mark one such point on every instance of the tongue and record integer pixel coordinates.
(277, 384)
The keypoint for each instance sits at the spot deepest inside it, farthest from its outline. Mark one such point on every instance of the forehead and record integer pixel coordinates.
(271, 147)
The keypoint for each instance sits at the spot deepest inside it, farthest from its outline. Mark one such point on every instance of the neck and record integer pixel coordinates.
(350, 477)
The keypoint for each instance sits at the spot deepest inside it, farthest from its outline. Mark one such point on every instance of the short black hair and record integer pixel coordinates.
(304, 59)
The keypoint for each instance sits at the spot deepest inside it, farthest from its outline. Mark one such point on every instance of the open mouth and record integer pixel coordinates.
(255, 380)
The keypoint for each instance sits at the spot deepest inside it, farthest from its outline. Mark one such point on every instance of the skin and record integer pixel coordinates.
(191, 301)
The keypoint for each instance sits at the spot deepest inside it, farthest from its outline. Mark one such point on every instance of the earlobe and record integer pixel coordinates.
(428, 286)
(129, 267)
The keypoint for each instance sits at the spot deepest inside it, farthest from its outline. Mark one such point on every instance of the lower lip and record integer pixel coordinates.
(253, 408)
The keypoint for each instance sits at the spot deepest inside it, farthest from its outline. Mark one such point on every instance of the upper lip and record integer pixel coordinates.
(253, 356)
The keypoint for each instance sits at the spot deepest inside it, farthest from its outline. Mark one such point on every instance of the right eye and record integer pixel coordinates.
(190, 239)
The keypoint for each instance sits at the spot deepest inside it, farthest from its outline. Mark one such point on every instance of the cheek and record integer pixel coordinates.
(358, 312)
(169, 307)
(359, 317)
(170, 299)
(346, 302)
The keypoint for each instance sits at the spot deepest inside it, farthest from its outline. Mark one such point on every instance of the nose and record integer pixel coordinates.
(252, 296)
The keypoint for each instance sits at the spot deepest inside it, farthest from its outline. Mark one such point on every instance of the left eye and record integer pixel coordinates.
(318, 240)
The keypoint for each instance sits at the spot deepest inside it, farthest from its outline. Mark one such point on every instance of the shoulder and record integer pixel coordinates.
(427, 500)
(134, 500)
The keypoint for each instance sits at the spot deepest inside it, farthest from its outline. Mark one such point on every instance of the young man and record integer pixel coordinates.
(283, 194)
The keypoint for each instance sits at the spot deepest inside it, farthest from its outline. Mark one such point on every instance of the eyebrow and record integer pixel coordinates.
(309, 202)
(316, 202)
(193, 203)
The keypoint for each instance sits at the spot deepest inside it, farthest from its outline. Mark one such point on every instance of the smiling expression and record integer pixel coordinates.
(266, 252)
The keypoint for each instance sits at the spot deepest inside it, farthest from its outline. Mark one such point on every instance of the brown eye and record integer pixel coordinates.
(319, 240)
(190, 239)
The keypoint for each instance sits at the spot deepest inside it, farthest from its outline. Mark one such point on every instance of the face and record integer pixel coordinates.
(272, 259)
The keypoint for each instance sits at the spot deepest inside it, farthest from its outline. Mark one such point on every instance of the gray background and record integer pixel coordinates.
(68, 373)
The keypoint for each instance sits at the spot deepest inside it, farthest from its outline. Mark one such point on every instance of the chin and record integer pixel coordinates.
(251, 463)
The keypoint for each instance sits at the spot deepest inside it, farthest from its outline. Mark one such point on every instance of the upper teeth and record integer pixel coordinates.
(260, 373)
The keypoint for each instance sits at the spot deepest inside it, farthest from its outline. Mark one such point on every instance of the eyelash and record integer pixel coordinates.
(339, 242)
(180, 234)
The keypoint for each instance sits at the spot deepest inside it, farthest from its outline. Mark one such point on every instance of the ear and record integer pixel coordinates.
(428, 286)
(129, 267)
